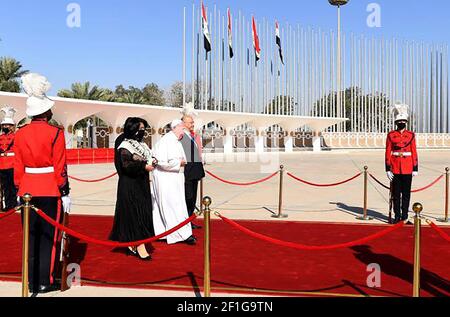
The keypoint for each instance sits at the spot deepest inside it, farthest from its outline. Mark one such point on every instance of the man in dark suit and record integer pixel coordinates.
(193, 171)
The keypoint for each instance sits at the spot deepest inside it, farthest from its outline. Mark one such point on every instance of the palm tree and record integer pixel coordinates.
(86, 92)
(133, 97)
(10, 72)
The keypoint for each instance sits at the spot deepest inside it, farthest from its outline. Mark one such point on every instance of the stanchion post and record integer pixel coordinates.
(417, 208)
(25, 243)
(207, 248)
(201, 195)
(445, 219)
(280, 196)
(365, 216)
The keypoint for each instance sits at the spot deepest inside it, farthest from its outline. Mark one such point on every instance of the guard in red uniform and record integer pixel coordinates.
(401, 162)
(40, 170)
(9, 193)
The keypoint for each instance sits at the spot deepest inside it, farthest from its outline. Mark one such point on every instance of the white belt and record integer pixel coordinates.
(402, 154)
(39, 170)
(7, 154)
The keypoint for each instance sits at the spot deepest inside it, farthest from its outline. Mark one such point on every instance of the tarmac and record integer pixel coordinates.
(300, 202)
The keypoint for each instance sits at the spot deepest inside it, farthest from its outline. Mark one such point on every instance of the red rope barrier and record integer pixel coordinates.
(323, 185)
(426, 187)
(312, 248)
(241, 184)
(86, 238)
(439, 231)
(412, 191)
(379, 182)
(8, 213)
(94, 180)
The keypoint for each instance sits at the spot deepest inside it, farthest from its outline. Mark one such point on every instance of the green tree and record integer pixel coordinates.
(329, 102)
(153, 95)
(132, 95)
(87, 92)
(10, 73)
(175, 95)
(281, 105)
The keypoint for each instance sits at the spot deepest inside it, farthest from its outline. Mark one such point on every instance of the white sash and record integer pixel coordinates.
(135, 147)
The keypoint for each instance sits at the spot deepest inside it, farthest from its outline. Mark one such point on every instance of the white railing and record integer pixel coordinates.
(378, 140)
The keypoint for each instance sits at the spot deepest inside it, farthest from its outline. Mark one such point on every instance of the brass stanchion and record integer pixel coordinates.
(445, 219)
(25, 243)
(207, 248)
(201, 195)
(417, 208)
(280, 196)
(364, 216)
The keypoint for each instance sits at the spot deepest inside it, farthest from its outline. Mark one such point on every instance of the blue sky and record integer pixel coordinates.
(133, 42)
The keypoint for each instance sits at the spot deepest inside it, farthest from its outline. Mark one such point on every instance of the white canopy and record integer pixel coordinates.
(70, 111)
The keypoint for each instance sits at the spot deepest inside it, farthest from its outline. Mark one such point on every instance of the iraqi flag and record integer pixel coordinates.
(278, 40)
(206, 36)
(256, 40)
(230, 34)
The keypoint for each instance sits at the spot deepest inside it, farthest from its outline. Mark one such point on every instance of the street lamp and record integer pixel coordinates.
(338, 4)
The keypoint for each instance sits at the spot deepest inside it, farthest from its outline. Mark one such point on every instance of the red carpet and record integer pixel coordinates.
(239, 261)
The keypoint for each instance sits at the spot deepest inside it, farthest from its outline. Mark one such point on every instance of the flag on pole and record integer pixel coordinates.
(230, 34)
(256, 40)
(206, 36)
(278, 40)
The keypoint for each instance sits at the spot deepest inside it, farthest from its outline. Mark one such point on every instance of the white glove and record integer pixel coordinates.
(415, 174)
(390, 175)
(18, 200)
(66, 203)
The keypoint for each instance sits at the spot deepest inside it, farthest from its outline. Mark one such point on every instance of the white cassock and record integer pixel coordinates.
(169, 204)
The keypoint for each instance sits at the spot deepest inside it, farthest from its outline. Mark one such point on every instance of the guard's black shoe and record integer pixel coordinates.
(49, 288)
(194, 226)
(191, 240)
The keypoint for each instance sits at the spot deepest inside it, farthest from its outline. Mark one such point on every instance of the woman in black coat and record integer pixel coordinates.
(133, 219)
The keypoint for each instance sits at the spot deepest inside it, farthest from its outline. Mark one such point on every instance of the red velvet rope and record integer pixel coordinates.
(8, 213)
(439, 231)
(93, 180)
(426, 187)
(414, 190)
(323, 185)
(242, 184)
(379, 182)
(86, 238)
(312, 248)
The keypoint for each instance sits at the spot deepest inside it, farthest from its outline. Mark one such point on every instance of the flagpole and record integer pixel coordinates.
(197, 88)
(184, 56)
(193, 58)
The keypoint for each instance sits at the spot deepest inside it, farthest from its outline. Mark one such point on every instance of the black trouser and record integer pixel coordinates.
(190, 189)
(42, 247)
(401, 195)
(9, 192)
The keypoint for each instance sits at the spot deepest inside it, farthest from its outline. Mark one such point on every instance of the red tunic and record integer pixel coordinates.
(401, 153)
(6, 151)
(41, 145)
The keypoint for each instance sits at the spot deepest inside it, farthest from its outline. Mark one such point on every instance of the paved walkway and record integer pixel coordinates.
(259, 202)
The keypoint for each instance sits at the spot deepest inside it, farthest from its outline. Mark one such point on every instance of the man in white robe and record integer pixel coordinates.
(169, 204)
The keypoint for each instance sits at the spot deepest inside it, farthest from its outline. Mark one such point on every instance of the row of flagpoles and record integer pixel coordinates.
(295, 73)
